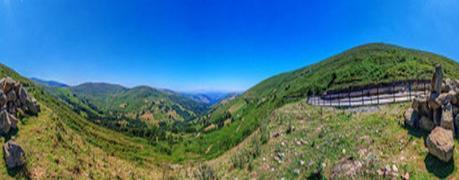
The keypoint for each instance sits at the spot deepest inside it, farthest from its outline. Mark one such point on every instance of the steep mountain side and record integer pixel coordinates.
(61, 143)
(230, 123)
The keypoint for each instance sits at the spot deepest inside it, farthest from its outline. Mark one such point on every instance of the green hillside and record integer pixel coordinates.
(372, 63)
(145, 103)
(69, 138)
(59, 143)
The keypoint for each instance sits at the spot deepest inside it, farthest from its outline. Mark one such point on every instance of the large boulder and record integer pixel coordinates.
(31, 106)
(7, 84)
(13, 154)
(420, 105)
(426, 123)
(444, 99)
(411, 118)
(441, 144)
(23, 95)
(437, 79)
(3, 99)
(450, 85)
(433, 103)
(11, 96)
(7, 121)
(447, 119)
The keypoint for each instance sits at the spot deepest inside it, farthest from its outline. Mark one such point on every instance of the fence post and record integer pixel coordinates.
(393, 91)
(349, 95)
(339, 99)
(363, 98)
(377, 93)
(409, 88)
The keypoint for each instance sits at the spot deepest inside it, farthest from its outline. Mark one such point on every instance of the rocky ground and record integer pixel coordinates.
(313, 142)
(438, 114)
(14, 102)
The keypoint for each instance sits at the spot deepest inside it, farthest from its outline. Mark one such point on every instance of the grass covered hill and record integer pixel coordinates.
(366, 64)
(140, 103)
(60, 143)
(64, 142)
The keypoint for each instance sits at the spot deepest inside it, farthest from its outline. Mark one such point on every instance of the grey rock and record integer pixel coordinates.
(433, 103)
(456, 123)
(411, 118)
(426, 124)
(5, 122)
(437, 116)
(7, 84)
(3, 99)
(450, 85)
(13, 154)
(31, 106)
(437, 79)
(23, 95)
(441, 144)
(447, 120)
(444, 99)
(420, 105)
(11, 96)
(13, 121)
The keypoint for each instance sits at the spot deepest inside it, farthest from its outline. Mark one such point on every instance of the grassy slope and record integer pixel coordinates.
(60, 143)
(377, 139)
(247, 111)
(362, 65)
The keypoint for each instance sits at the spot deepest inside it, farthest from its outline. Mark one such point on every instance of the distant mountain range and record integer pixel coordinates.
(49, 83)
(103, 100)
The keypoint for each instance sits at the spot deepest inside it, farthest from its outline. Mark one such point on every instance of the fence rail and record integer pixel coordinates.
(376, 94)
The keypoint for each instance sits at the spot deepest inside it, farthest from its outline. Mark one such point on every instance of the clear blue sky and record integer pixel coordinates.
(189, 45)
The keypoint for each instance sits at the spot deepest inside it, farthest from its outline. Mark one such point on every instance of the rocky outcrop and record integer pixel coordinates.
(13, 154)
(441, 144)
(438, 112)
(14, 100)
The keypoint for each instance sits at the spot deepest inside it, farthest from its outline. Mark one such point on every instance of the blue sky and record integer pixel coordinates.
(191, 45)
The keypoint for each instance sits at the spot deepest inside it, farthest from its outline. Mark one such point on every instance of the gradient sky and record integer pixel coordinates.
(190, 45)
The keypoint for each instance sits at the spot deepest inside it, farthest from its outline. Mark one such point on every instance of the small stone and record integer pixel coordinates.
(297, 171)
(394, 168)
(302, 162)
(406, 176)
